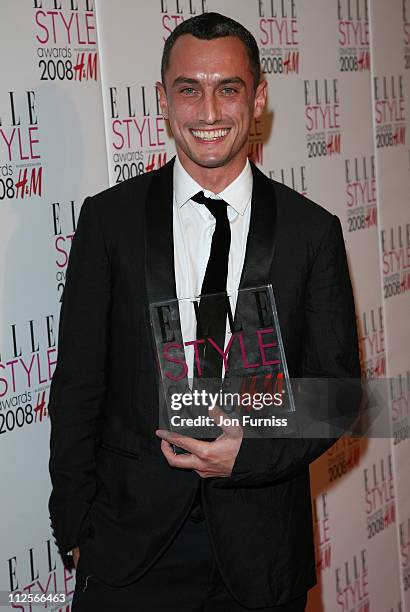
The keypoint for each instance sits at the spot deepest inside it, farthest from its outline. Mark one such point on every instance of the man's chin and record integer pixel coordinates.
(212, 164)
(211, 161)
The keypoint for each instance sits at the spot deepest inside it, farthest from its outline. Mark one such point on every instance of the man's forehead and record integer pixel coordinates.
(215, 59)
(216, 49)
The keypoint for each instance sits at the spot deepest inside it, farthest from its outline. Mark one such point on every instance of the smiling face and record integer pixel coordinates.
(210, 101)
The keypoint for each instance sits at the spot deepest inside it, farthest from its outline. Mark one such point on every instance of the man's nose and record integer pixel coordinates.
(210, 108)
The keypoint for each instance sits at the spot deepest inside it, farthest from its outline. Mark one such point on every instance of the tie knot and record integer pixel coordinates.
(216, 207)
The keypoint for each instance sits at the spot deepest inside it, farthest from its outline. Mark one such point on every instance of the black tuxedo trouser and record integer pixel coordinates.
(184, 579)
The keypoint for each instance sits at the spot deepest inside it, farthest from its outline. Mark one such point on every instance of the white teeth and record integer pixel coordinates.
(209, 134)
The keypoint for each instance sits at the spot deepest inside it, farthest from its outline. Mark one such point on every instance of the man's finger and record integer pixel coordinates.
(188, 462)
(223, 421)
(193, 446)
(203, 474)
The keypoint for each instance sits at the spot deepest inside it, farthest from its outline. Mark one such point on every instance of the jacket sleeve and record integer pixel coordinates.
(330, 351)
(78, 385)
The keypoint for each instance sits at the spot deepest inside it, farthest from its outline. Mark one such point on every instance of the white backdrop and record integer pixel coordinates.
(79, 111)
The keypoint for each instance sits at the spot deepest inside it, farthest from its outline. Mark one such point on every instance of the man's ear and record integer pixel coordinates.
(260, 99)
(163, 102)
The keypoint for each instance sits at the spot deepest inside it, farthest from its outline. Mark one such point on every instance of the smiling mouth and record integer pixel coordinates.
(210, 135)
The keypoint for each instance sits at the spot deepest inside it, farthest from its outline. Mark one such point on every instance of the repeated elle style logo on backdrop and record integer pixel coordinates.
(395, 243)
(66, 35)
(278, 37)
(353, 28)
(400, 408)
(352, 583)
(389, 109)
(294, 177)
(21, 172)
(343, 457)
(360, 180)
(61, 51)
(138, 131)
(379, 496)
(64, 217)
(372, 344)
(322, 117)
(174, 12)
(35, 572)
(322, 535)
(27, 361)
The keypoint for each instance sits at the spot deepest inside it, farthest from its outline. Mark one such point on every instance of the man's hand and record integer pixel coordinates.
(76, 556)
(207, 459)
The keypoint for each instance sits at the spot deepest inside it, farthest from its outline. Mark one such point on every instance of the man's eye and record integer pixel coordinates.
(188, 91)
(228, 91)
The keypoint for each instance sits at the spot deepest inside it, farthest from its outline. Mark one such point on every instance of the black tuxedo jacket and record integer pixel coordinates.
(113, 492)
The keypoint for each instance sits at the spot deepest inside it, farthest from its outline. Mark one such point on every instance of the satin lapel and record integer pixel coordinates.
(159, 240)
(260, 248)
(260, 245)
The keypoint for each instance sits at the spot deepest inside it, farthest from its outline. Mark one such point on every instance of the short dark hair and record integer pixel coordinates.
(207, 27)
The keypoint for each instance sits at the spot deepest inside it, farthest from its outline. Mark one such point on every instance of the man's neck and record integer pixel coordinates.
(213, 179)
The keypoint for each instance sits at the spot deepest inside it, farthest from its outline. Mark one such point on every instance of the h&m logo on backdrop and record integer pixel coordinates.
(396, 260)
(321, 525)
(400, 406)
(371, 344)
(360, 179)
(175, 12)
(380, 505)
(66, 33)
(322, 116)
(138, 137)
(21, 173)
(353, 26)
(389, 101)
(278, 37)
(352, 584)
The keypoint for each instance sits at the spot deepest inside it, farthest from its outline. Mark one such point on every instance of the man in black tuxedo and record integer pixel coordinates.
(227, 525)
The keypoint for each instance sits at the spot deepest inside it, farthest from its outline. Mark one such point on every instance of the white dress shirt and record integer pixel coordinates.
(193, 228)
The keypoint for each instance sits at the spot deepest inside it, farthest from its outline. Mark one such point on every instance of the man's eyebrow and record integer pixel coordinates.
(232, 80)
(181, 80)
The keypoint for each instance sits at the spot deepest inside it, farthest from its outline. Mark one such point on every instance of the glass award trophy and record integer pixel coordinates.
(238, 379)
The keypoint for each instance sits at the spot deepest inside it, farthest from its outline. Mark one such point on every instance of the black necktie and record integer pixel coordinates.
(213, 309)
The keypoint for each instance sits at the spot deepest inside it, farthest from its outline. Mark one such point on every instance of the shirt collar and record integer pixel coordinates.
(237, 194)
